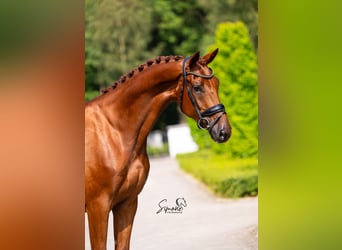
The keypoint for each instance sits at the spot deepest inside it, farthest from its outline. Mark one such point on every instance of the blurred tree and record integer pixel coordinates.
(116, 37)
(177, 26)
(120, 34)
(236, 68)
(230, 10)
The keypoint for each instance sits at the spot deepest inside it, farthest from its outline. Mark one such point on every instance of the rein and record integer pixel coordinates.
(203, 120)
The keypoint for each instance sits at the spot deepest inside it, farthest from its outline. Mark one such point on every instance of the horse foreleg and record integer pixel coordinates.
(123, 220)
(98, 213)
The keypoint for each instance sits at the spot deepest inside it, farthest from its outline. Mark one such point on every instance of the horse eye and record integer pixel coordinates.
(198, 88)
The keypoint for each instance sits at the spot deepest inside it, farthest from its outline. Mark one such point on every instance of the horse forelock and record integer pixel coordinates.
(140, 68)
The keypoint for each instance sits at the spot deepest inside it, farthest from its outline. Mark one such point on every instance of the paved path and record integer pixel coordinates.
(207, 223)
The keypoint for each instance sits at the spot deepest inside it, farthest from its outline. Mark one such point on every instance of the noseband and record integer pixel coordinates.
(203, 120)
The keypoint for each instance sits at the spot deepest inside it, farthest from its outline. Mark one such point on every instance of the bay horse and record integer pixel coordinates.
(117, 124)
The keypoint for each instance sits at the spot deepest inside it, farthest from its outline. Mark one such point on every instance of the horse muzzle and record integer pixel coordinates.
(220, 134)
(221, 130)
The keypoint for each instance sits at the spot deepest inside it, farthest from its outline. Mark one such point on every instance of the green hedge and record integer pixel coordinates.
(238, 186)
(226, 178)
(154, 151)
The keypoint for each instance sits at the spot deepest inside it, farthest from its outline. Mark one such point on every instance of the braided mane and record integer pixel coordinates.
(140, 68)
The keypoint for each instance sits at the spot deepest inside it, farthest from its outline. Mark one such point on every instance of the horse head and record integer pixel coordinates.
(198, 96)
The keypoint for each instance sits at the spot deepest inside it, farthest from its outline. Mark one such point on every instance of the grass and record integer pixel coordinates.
(227, 178)
(154, 151)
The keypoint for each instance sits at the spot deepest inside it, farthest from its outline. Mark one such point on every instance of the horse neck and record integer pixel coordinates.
(139, 101)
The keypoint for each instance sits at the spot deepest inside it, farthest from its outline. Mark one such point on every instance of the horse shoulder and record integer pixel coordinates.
(102, 147)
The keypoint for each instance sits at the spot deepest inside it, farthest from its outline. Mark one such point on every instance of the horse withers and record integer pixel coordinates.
(117, 124)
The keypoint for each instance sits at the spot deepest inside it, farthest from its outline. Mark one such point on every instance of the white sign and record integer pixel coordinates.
(180, 140)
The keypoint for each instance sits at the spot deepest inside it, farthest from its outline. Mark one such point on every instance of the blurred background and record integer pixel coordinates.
(121, 34)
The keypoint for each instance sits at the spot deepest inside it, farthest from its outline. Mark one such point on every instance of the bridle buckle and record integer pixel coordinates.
(203, 123)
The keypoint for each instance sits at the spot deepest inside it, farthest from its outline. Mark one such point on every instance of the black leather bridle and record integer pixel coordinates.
(203, 120)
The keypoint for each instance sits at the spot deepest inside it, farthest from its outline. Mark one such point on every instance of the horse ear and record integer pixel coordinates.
(208, 58)
(194, 58)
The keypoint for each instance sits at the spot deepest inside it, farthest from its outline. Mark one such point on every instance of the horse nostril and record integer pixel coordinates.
(223, 136)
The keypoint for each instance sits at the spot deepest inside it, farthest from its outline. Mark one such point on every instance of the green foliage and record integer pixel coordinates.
(121, 34)
(178, 26)
(231, 11)
(238, 186)
(236, 68)
(91, 95)
(154, 151)
(225, 177)
(116, 36)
